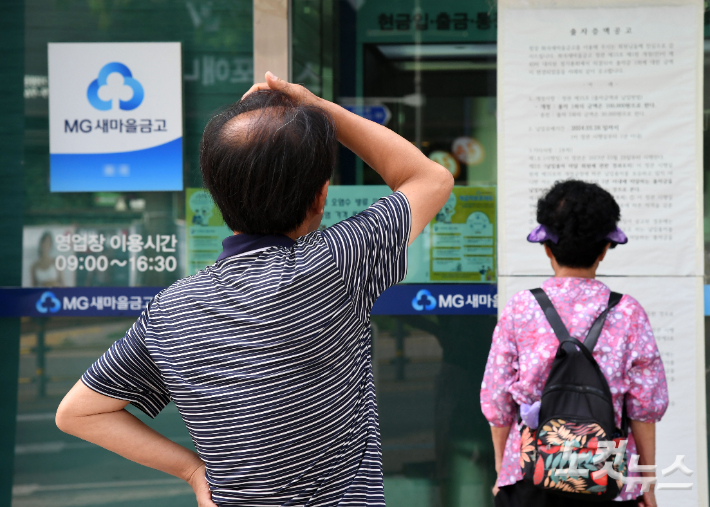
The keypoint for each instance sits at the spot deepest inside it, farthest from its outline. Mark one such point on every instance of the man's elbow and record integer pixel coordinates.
(444, 183)
(64, 419)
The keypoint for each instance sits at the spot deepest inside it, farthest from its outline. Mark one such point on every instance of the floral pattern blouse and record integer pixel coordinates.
(524, 347)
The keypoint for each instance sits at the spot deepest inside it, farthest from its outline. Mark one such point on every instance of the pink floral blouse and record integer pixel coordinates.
(524, 347)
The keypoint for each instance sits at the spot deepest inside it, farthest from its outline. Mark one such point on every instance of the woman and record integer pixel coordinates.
(44, 272)
(577, 228)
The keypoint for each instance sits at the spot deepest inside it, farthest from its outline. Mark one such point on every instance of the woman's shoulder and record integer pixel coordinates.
(520, 302)
(630, 307)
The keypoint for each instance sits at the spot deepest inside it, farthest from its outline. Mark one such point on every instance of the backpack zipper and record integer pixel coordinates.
(579, 389)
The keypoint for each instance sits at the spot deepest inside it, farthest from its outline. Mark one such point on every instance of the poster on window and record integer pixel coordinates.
(457, 246)
(205, 230)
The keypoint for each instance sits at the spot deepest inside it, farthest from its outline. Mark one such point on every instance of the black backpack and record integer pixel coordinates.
(576, 412)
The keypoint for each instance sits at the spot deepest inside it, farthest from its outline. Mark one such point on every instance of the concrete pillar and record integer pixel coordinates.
(272, 39)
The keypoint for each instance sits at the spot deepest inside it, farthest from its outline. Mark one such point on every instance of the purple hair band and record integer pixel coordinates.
(617, 236)
(542, 233)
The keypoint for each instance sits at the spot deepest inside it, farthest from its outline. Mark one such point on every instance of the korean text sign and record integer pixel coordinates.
(115, 117)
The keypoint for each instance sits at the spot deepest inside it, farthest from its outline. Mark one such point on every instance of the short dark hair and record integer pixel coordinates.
(581, 214)
(265, 172)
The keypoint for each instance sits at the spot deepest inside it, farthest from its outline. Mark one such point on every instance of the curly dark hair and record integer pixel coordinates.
(581, 214)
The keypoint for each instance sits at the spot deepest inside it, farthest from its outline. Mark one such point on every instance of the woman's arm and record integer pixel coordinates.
(645, 438)
(105, 422)
(500, 437)
(402, 165)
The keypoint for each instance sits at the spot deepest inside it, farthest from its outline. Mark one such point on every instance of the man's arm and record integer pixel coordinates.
(403, 166)
(645, 438)
(104, 421)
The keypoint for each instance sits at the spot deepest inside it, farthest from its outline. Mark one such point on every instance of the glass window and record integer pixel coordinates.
(112, 239)
(428, 72)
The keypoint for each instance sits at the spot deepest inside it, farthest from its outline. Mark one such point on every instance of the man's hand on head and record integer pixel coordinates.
(295, 91)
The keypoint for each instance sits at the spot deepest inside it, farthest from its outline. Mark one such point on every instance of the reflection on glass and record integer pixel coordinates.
(55, 469)
(101, 239)
(436, 443)
(44, 272)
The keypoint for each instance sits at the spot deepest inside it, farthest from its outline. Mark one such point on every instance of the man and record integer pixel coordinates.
(266, 354)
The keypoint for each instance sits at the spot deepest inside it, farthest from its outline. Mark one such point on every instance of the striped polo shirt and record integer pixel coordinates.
(267, 356)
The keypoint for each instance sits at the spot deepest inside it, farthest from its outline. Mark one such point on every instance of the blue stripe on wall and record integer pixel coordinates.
(415, 299)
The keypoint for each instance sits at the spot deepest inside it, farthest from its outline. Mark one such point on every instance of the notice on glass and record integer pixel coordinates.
(462, 237)
(606, 96)
(457, 246)
(205, 230)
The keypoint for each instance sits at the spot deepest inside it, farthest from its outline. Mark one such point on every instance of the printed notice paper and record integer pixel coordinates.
(608, 96)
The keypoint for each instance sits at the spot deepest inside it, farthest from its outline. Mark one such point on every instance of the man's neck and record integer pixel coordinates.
(294, 235)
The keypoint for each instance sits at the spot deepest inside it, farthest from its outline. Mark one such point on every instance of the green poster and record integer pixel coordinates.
(205, 230)
(462, 237)
(457, 246)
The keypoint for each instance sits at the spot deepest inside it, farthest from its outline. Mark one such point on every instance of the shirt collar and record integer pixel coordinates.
(571, 284)
(243, 243)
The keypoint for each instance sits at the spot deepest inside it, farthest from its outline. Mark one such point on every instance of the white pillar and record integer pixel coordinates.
(272, 39)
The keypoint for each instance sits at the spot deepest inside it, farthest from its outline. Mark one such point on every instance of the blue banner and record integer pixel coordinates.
(415, 299)
(75, 301)
(438, 299)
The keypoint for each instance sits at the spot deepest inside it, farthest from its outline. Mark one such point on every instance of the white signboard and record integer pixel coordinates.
(608, 96)
(115, 117)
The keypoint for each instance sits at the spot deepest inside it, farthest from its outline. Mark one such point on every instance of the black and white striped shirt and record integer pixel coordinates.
(266, 355)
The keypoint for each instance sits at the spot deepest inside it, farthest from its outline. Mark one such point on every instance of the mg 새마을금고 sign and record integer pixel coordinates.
(115, 117)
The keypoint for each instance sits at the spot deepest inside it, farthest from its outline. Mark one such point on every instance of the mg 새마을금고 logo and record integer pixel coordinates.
(48, 302)
(423, 301)
(115, 82)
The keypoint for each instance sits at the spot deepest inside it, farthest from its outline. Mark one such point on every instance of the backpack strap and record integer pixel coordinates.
(596, 330)
(551, 314)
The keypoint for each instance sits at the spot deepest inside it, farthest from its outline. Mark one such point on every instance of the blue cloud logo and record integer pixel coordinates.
(48, 302)
(423, 301)
(104, 105)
